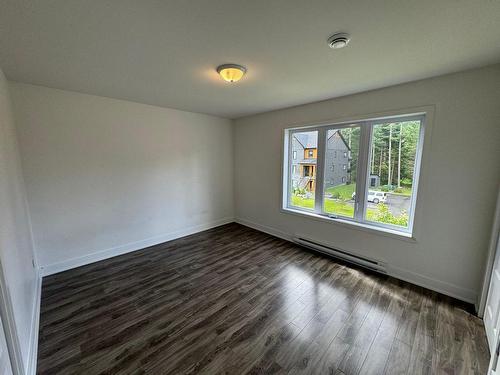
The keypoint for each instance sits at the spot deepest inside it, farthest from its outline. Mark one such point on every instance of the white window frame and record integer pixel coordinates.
(363, 184)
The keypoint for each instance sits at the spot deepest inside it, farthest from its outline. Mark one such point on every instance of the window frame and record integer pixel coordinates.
(362, 185)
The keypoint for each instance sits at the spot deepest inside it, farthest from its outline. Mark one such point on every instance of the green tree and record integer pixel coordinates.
(387, 137)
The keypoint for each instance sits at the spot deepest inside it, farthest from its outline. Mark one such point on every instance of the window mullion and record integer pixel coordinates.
(287, 168)
(362, 172)
(320, 161)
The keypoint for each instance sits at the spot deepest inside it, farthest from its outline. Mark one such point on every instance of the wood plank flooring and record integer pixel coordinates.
(233, 300)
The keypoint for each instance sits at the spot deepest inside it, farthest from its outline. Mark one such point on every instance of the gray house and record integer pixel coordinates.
(304, 156)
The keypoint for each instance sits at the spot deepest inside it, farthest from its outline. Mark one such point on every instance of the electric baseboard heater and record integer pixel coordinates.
(360, 261)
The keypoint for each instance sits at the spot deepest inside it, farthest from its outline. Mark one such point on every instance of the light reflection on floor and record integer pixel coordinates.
(304, 297)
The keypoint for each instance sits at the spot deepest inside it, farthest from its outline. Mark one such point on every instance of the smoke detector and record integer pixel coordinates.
(339, 40)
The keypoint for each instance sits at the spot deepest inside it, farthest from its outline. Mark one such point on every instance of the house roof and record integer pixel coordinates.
(310, 139)
(343, 139)
(307, 139)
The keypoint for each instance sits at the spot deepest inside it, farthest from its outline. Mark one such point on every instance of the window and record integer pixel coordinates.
(335, 197)
(393, 154)
(295, 155)
(308, 170)
(303, 184)
(378, 188)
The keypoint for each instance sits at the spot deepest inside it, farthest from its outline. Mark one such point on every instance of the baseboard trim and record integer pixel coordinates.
(264, 228)
(455, 291)
(34, 329)
(439, 286)
(129, 247)
(443, 287)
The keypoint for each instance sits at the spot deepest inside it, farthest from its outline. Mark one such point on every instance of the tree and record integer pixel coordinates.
(399, 154)
(388, 164)
(389, 171)
(374, 150)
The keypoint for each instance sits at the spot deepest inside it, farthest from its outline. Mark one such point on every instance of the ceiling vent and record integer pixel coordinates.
(339, 40)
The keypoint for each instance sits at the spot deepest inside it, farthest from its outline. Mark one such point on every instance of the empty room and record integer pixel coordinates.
(249, 187)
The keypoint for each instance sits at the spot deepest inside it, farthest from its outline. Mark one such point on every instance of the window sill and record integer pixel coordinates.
(374, 229)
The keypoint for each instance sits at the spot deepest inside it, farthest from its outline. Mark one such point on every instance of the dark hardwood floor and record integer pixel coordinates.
(234, 300)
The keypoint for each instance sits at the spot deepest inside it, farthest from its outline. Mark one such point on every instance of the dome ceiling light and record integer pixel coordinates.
(339, 40)
(231, 72)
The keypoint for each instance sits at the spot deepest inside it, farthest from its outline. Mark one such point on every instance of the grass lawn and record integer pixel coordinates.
(343, 205)
(337, 207)
(403, 191)
(346, 191)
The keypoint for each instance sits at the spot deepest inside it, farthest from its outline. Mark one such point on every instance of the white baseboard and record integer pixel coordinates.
(439, 286)
(264, 228)
(443, 287)
(34, 329)
(129, 247)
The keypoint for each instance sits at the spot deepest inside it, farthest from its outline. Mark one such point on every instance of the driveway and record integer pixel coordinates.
(396, 203)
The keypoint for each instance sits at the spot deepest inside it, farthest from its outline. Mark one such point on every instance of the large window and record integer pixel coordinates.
(304, 169)
(374, 182)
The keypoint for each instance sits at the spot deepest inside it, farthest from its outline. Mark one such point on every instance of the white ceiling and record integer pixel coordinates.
(165, 52)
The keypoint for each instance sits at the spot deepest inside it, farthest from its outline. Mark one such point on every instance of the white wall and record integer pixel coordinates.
(459, 180)
(16, 245)
(106, 176)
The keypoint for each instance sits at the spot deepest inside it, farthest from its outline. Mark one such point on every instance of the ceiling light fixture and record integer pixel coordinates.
(231, 72)
(339, 40)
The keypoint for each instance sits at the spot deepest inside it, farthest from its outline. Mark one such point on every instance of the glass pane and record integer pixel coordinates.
(392, 171)
(303, 169)
(341, 161)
